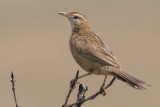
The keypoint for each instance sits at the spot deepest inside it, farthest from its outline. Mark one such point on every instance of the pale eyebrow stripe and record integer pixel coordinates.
(81, 16)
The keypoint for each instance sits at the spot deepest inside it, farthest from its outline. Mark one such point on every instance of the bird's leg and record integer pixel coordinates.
(102, 89)
(74, 81)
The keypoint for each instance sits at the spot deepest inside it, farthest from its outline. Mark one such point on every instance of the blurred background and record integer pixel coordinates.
(34, 44)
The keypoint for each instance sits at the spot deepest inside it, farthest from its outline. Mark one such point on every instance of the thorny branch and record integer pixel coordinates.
(13, 88)
(79, 103)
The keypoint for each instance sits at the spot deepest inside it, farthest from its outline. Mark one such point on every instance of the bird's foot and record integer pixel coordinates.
(73, 83)
(102, 90)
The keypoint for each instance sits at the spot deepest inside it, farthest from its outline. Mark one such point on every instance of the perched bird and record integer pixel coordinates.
(92, 54)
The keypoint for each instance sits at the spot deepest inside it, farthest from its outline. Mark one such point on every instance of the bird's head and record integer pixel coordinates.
(76, 20)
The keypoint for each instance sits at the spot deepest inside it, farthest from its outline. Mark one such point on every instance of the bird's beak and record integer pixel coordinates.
(63, 13)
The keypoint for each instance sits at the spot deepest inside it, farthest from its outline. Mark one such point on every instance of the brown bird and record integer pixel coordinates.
(92, 54)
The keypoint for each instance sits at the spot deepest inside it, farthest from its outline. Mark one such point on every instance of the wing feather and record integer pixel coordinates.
(96, 52)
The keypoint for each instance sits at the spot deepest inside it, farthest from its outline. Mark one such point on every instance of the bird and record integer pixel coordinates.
(93, 55)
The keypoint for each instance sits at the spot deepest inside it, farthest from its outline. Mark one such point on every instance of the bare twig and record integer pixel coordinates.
(72, 84)
(92, 96)
(81, 94)
(13, 88)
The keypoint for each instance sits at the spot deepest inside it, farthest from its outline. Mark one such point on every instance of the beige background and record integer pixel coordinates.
(34, 44)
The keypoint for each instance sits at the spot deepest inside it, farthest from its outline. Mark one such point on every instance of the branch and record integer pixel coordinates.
(81, 94)
(92, 96)
(13, 88)
(72, 84)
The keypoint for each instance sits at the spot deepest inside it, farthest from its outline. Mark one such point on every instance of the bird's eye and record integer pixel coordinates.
(75, 17)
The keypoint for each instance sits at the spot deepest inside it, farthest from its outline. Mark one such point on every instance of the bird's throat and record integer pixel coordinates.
(80, 29)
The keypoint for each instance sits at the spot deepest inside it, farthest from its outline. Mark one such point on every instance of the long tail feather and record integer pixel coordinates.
(132, 81)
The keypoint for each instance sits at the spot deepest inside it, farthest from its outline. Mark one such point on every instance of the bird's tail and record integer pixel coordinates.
(132, 81)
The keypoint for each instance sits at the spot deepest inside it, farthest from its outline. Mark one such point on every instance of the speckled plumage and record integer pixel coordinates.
(92, 54)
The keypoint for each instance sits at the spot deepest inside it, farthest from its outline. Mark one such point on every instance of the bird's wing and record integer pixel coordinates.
(97, 53)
